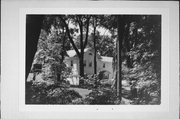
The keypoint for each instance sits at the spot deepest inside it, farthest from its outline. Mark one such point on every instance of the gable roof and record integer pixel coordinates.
(72, 53)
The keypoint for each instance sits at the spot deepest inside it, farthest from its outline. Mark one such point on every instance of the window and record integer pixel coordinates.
(104, 65)
(71, 63)
(90, 64)
(37, 67)
(84, 63)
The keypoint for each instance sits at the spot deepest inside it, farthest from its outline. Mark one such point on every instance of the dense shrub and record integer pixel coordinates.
(41, 93)
(89, 81)
(147, 84)
(102, 97)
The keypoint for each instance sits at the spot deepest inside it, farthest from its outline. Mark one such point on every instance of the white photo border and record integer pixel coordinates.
(12, 60)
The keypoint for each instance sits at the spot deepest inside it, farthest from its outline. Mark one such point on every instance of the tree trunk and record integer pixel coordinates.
(81, 64)
(81, 57)
(120, 26)
(63, 47)
(127, 44)
(59, 76)
(95, 63)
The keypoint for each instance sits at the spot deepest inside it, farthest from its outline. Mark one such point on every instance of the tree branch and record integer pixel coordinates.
(70, 38)
(81, 33)
(87, 30)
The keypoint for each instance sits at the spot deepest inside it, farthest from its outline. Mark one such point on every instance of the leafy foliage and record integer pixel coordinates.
(103, 97)
(105, 45)
(51, 53)
(145, 52)
(41, 93)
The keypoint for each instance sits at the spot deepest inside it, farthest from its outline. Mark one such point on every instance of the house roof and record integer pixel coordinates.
(72, 53)
(107, 59)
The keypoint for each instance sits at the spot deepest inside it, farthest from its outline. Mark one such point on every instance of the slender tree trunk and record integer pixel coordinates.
(120, 26)
(81, 57)
(135, 40)
(59, 76)
(63, 49)
(127, 44)
(95, 63)
(81, 64)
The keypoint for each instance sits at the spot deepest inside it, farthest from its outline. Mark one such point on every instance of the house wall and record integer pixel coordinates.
(75, 66)
(74, 78)
(89, 58)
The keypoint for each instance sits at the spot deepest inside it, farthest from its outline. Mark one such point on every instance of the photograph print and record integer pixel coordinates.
(93, 59)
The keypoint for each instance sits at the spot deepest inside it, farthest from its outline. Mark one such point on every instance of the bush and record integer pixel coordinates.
(147, 84)
(41, 93)
(89, 81)
(58, 96)
(102, 97)
(148, 94)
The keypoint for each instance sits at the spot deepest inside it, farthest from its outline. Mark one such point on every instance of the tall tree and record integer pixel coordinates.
(127, 43)
(83, 22)
(94, 39)
(121, 28)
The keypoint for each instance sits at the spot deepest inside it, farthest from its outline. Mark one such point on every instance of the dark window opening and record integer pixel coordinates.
(90, 64)
(104, 65)
(37, 68)
(71, 63)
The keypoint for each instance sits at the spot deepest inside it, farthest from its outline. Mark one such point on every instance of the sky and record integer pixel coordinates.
(101, 30)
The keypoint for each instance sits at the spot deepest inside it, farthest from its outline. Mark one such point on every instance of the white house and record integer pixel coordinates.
(104, 64)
